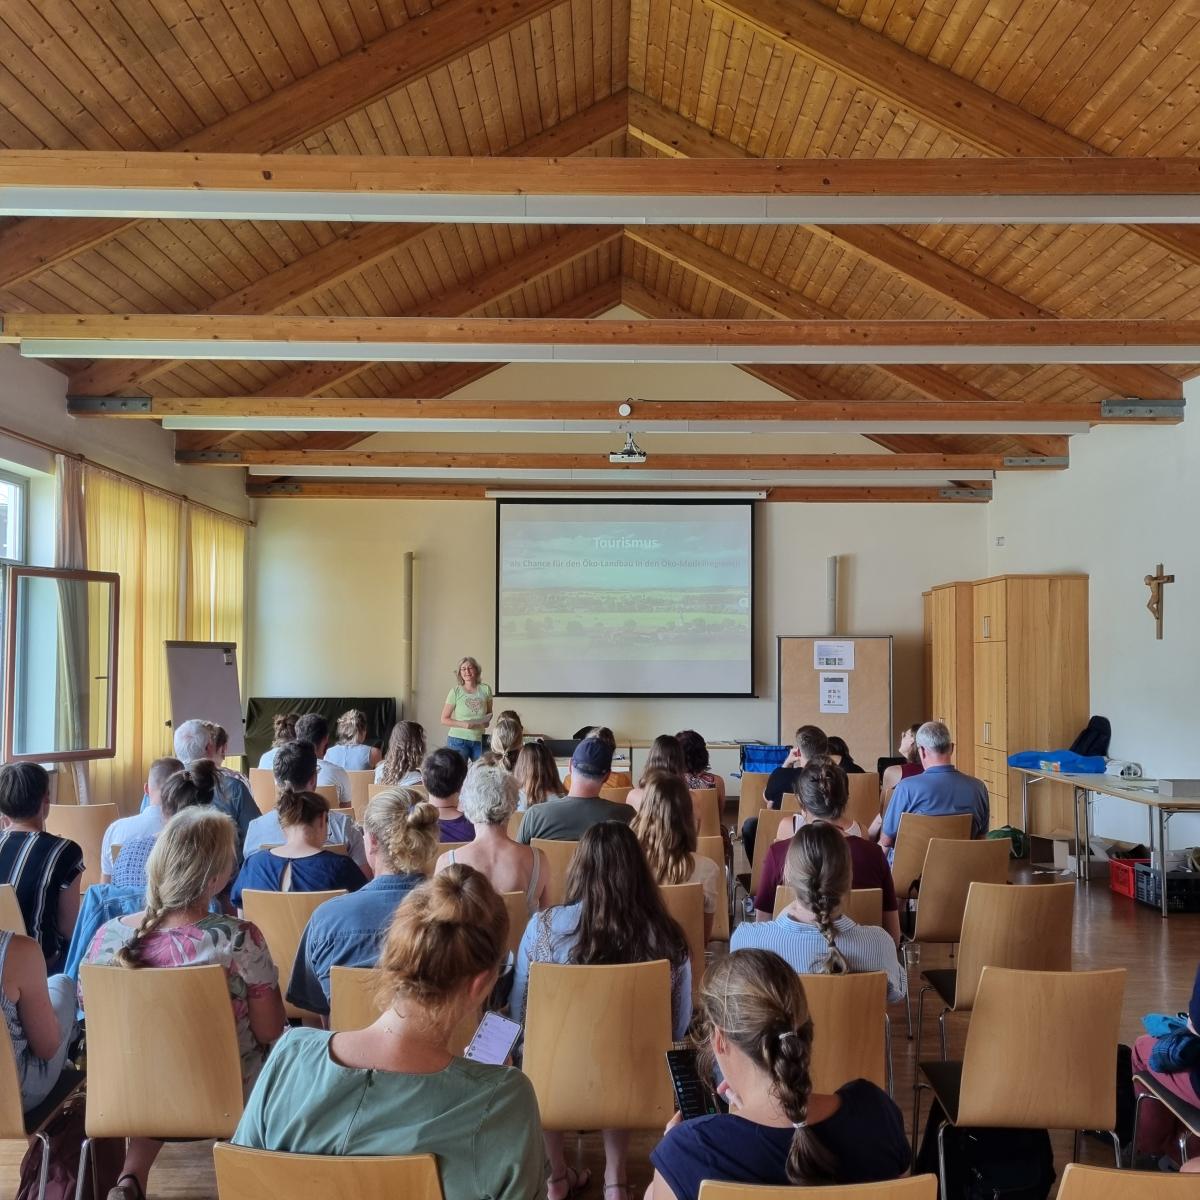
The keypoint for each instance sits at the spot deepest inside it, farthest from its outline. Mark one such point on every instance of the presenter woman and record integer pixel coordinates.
(468, 710)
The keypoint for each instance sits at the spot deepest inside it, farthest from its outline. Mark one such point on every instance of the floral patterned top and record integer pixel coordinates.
(238, 946)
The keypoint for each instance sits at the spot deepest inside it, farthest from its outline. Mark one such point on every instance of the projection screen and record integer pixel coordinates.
(647, 598)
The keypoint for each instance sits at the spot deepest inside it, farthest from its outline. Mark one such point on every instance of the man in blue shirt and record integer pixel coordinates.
(940, 790)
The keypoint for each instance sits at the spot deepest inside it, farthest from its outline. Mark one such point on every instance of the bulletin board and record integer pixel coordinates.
(863, 690)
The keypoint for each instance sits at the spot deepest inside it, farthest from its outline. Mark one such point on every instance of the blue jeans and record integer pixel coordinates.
(466, 747)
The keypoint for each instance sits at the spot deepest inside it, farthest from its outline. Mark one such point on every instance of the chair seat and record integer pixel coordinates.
(944, 982)
(1186, 1114)
(68, 1081)
(945, 1078)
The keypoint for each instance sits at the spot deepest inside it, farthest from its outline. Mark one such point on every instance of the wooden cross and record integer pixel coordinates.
(1155, 603)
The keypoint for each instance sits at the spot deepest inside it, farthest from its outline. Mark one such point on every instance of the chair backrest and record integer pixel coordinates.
(950, 869)
(1041, 1050)
(706, 811)
(514, 824)
(1101, 1183)
(11, 916)
(354, 1004)
(916, 1187)
(750, 795)
(263, 788)
(1026, 927)
(518, 917)
(329, 794)
(162, 1052)
(768, 827)
(912, 840)
(864, 906)
(83, 824)
(595, 1045)
(685, 902)
(251, 1174)
(849, 1039)
(616, 794)
(281, 918)
(862, 804)
(789, 803)
(360, 784)
(714, 848)
(558, 857)
(12, 1116)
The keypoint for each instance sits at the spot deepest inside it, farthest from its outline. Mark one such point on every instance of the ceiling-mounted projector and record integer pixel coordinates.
(631, 452)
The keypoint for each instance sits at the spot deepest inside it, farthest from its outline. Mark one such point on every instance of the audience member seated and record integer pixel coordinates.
(569, 817)
(352, 752)
(907, 749)
(401, 833)
(823, 794)
(698, 772)
(444, 772)
(1158, 1130)
(778, 1131)
(536, 774)
(44, 870)
(810, 934)
(147, 823)
(665, 757)
(467, 711)
(189, 867)
(809, 742)
(616, 779)
(285, 731)
(220, 741)
(508, 736)
(301, 864)
(39, 1013)
(296, 768)
(614, 914)
(666, 830)
(188, 786)
(488, 798)
(401, 765)
(939, 790)
(193, 741)
(312, 727)
(394, 1087)
(840, 753)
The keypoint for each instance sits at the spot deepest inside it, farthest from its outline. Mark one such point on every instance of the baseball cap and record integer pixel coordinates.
(592, 757)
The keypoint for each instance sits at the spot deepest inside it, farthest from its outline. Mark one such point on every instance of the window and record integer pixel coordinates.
(14, 507)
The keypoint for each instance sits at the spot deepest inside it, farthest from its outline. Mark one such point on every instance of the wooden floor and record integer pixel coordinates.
(1161, 957)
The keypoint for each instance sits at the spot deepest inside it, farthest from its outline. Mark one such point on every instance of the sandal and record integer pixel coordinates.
(575, 1180)
(127, 1191)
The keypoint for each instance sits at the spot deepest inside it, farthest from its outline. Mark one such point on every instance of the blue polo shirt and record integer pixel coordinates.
(345, 932)
(939, 792)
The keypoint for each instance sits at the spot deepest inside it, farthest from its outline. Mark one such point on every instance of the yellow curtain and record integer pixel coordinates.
(216, 580)
(135, 532)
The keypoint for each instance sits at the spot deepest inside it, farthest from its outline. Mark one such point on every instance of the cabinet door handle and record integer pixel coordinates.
(987, 627)
(987, 733)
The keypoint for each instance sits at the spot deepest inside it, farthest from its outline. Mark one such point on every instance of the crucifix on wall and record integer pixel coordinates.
(1155, 603)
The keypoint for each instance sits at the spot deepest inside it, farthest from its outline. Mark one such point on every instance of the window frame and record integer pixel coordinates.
(21, 484)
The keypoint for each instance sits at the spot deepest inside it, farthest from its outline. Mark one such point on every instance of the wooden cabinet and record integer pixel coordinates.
(991, 604)
(953, 701)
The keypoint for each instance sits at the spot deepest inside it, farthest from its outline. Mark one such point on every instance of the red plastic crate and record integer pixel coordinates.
(1122, 875)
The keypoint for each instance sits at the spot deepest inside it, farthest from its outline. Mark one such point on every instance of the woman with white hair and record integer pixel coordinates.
(488, 798)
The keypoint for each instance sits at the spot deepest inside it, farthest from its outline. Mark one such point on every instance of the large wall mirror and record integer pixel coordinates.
(60, 664)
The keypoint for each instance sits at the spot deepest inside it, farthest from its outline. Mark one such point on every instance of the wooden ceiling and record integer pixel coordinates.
(720, 79)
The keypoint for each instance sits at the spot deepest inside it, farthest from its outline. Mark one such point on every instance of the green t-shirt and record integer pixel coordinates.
(468, 706)
(480, 1121)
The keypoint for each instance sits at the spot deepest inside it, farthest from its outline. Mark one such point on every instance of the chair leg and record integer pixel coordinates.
(1116, 1141)
(918, 1087)
(1137, 1120)
(942, 1032)
(907, 991)
(1183, 1144)
(920, 1018)
(85, 1157)
(44, 1177)
(887, 1045)
(1075, 1146)
(943, 1187)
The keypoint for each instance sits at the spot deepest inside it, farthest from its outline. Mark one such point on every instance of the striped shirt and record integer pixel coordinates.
(800, 944)
(39, 866)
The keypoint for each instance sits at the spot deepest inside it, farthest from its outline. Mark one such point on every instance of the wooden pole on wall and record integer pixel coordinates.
(831, 592)
(406, 642)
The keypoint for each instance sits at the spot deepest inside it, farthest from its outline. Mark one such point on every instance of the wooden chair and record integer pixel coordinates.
(714, 848)
(764, 839)
(864, 906)
(518, 918)
(163, 1057)
(559, 856)
(1187, 1115)
(329, 794)
(354, 1004)
(446, 847)
(360, 786)
(11, 916)
(1104, 1183)
(83, 824)
(863, 803)
(616, 794)
(851, 1038)
(950, 869)
(1040, 1054)
(750, 797)
(595, 1045)
(912, 841)
(1026, 928)
(706, 811)
(263, 789)
(916, 1187)
(281, 918)
(251, 1174)
(514, 824)
(685, 902)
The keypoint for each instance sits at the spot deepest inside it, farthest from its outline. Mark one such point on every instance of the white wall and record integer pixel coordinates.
(1130, 499)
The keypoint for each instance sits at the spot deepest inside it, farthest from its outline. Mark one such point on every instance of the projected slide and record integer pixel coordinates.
(644, 598)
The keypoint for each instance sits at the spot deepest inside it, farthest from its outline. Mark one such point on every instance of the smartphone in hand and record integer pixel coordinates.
(695, 1096)
(493, 1040)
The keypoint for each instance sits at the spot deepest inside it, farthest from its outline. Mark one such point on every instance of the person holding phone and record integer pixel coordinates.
(395, 1087)
(778, 1131)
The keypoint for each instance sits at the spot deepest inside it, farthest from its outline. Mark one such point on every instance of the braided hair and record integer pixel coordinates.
(817, 867)
(757, 1002)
